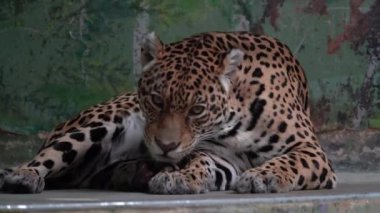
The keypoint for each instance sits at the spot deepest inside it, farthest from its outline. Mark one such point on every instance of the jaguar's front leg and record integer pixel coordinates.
(56, 156)
(203, 173)
(21, 181)
(302, 168)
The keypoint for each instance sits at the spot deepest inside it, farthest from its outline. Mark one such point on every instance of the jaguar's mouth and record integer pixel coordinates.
(169, 157)
(175, 155)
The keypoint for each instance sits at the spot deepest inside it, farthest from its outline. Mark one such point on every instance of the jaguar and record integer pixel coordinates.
(214, 111)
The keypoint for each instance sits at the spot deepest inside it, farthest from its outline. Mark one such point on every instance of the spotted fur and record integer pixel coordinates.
(224, 110)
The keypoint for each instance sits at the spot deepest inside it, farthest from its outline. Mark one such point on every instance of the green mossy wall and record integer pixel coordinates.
(59, 57)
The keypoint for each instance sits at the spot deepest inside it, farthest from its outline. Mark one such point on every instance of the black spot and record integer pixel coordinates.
(261, 55)
(212, 98)
(232, 132)
(34, 164)
(31, 163)
(290, 139)
(329, 184)
(117, 132)
(300, 135)
(219, 179)
(193, 177)
(79, 136)
(232, 115)
(117, 119)
(309, 153)
(257, 73)
(94, 124)
(314, 177)
(273, 139)
(285, 83)
(257, 40)
(210, 89)
(92, 153)
(104, 117)
(253, 82)
(251, 155)
(260, 90)
(82, 120)
(232, 38)
(227, 173)
(292, 147)
(272, 78)
(282, 127)
(63, 146)
(270, 124)
(301, 180)
(262, 46)
(72, 129)
(323, 175)
(266, 148)
(295, 171)
(304, 163)
(256, 109)
(68, 157)
(246, 70)
(197, 65)
(48, 164)
(97, 135)
(291, 163)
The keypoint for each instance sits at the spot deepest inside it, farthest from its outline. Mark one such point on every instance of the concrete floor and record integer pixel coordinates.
(348, 197)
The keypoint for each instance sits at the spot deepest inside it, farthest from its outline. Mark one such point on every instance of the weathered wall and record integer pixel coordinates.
(58, 57)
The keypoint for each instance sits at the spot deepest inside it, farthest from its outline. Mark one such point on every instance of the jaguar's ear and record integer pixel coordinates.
(151, 50)
(230, 64)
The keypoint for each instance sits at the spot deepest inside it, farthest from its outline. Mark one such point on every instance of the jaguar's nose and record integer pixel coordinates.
(166, 147)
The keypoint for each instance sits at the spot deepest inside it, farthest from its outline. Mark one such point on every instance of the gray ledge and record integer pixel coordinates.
(348, 197)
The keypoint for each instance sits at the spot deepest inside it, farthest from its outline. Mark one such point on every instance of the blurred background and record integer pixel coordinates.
(60, 57)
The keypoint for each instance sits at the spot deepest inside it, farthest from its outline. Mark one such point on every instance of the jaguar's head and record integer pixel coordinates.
(183, 93)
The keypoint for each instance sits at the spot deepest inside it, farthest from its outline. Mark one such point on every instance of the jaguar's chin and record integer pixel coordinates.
(166, 159)
(171, 157)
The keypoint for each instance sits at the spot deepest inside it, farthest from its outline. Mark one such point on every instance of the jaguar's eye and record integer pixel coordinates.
(157, 100)
(196, 110)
